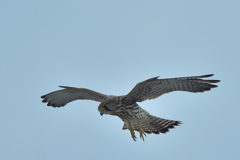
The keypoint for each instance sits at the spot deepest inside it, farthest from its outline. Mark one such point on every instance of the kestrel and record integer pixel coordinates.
(126, 108)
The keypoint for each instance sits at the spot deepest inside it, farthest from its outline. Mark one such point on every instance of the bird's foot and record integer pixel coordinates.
(132, 132)
(141, 132)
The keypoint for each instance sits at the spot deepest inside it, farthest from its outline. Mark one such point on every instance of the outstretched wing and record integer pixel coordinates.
(154, 87)
(61, 97)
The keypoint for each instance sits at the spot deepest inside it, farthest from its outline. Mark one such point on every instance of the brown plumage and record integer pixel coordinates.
(126, 108)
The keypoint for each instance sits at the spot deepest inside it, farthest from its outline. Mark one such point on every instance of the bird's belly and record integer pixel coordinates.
(132, 113)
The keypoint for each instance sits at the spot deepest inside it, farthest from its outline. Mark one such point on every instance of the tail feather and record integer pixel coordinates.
(154, 125)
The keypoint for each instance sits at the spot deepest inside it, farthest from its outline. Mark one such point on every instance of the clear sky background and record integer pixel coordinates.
(109, 46)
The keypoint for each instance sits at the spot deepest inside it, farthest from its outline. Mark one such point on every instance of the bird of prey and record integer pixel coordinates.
(126, 108)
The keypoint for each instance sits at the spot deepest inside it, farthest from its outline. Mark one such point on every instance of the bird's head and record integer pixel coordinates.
(107, 107)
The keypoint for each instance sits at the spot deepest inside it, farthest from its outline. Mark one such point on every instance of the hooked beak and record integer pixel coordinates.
(101, 112)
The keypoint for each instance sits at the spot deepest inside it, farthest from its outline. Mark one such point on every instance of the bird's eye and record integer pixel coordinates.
(106, 108)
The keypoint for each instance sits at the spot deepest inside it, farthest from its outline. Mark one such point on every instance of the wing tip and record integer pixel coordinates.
(49, 103)
(64, 87)
(43, 96)
(54, 105)
(207, 75)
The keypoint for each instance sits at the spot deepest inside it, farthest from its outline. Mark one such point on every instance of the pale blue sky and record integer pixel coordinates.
(109, 46)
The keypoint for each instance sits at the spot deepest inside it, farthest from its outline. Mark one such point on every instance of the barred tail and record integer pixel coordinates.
(154, 125)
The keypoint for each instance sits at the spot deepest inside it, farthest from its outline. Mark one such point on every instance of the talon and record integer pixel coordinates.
(132, 132)
(141, 132)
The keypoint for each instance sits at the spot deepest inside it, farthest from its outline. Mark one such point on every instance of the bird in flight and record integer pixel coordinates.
(126, 108)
